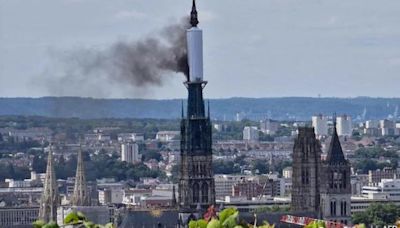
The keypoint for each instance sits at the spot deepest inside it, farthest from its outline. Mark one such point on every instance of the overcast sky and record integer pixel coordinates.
(252, 48)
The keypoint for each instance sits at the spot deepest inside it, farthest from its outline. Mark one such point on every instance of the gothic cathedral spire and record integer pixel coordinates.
(81, 195)
(50, 198)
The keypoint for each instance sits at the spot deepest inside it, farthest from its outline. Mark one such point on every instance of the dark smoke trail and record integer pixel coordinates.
(137, 64)
(144, 63)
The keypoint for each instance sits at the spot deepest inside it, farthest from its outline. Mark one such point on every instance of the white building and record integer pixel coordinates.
(287, 172)
(130, 153)
(344, 125)
(250, 133)
(320, 124)
(387, 127)
(110, 193)
(371, 124)
(268, 127)
(167, 136)
(127, 137)
(387, 189)
(18, 216)
(224, 184)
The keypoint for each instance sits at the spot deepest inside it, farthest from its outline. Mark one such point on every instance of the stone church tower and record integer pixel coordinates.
(335, 184)
(196, 179)
(306, 165)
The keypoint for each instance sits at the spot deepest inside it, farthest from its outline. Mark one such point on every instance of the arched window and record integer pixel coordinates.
(333, 207)
(196, 192)
(344, 179)
(204, 193)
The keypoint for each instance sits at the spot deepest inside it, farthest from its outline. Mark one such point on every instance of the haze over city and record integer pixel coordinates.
(253, 48)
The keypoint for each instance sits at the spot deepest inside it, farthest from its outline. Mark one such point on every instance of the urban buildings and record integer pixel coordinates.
(250, 134)
(344, 125)
(268, 126)
(320, 125)
(130, 153)
(388, 189)
(166, 136)
(376, 176)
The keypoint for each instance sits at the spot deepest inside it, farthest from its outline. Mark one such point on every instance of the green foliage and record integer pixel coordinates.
(201, 223)
(378, 215)
(231, 221)
(39, 224)
(227, 218)
(151, 154)
(260, 166)
(225, 167)
(316, 224)
(214, 223)
(73, 218)
(224, 214)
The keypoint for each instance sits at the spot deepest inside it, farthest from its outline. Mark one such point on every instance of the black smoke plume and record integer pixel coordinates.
(140, 64)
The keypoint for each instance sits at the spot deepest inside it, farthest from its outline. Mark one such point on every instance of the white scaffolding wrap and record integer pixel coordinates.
(195, 53)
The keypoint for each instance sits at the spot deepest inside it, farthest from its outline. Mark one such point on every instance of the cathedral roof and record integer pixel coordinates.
(335, 152)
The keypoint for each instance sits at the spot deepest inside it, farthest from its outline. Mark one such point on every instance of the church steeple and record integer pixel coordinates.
(50, 198)
(80, 196)
(194, 21)
(196, 177)
(335, 152)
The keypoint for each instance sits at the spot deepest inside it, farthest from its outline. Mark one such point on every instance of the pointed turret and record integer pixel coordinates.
(194, 21)
(335, 152)
(81, 195)
(50, 198)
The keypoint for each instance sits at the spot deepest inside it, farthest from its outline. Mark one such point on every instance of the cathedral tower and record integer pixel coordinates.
(335, 183)
(50, 198)
(306, 165)
(196, 179)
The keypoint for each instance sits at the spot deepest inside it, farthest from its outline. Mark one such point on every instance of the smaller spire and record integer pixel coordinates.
(194, 21)
(335, 153)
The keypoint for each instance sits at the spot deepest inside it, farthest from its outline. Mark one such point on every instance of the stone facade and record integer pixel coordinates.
(321, 187)
(306, 165)
(335, 184)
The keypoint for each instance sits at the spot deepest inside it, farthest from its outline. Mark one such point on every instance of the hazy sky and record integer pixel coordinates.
(252, 48)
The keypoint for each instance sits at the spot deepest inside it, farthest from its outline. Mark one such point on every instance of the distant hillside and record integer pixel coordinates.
(300, 108)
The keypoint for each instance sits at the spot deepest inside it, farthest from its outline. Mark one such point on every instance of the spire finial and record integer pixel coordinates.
(193, 15)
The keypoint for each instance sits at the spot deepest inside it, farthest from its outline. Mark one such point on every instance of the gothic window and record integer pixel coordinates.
(333, 208)
(344, 179)
(331, 179)
(303, 177)
(307, 177)
(204, 193)
(342, 208)
(196, 192)
(337, 180)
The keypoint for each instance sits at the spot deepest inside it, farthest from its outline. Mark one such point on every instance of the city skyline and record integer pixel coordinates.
(309, 49)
